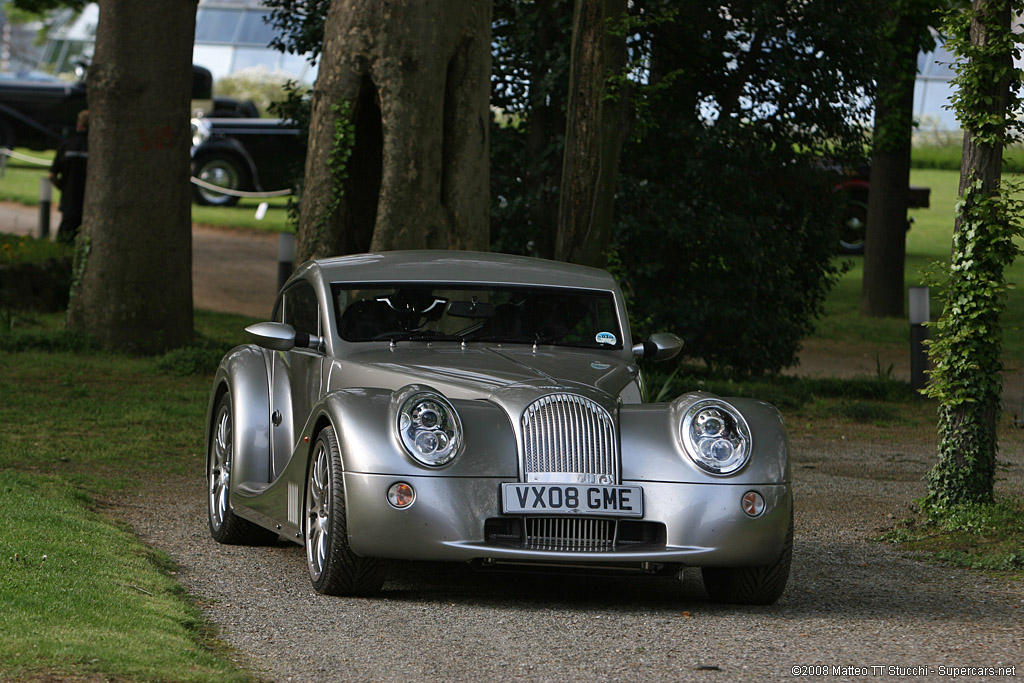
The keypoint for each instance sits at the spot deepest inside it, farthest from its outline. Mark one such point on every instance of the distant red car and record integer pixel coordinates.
(855, 214)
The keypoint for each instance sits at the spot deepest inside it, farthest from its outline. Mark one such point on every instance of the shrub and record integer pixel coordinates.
(730, 244)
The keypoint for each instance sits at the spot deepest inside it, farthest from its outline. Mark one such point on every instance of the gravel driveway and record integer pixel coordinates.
(851, 602)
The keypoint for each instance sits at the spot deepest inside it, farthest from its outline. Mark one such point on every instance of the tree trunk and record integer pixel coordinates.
(133, 272)
(545, 123)
(882, 290)
(594, 134)
(412, 79)
(966, 354)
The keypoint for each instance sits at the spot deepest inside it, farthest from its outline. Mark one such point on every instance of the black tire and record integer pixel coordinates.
(333, 568)
(222, 170)
(855, 216)
(225, 526)
(751, 585)
(853, 229)
(7, 138)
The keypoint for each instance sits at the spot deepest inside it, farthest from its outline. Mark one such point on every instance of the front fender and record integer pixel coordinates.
(231, 147)
(243, 374)
(364, 421)
(653, 451)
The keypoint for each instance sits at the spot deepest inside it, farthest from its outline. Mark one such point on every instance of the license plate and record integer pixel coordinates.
(572, 499)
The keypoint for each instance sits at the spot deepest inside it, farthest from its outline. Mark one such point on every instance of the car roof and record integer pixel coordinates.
(459, 267)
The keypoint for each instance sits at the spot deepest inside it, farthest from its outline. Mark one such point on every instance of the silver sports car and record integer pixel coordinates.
(486, 408)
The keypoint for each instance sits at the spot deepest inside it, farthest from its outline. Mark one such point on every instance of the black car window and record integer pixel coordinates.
(477, 313)
(301, 310)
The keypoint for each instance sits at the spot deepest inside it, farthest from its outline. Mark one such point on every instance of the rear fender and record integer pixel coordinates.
(243, 372)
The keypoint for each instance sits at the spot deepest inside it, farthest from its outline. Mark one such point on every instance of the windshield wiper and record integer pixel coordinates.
(419, 336)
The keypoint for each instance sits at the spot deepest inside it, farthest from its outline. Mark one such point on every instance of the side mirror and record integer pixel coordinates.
(659, 346)
(281, 337)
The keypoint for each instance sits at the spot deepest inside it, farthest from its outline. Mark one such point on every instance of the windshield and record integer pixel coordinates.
(477, 313)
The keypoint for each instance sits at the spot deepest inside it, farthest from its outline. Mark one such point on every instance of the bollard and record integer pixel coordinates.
(919, 315)
(44, 207)
(285, 256)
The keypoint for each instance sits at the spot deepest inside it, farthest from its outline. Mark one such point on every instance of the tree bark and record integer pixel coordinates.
(595, 131)
(414, 77)
(133, 274)
(968, 370)
(885, 243)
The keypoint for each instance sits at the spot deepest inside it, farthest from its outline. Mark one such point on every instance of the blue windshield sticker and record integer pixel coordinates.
(606, 338)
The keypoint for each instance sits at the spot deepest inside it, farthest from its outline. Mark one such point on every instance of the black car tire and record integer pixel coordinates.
(7, 138)
(222, 170)
(761, 585)
(855, 216)
(334, 568)
(225, 526)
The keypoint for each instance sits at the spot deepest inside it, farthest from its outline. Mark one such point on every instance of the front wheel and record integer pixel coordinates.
(751, 585)
(334, 568)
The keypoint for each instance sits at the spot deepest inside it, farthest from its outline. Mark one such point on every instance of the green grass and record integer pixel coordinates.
(928, 241)
(80, 596)
(21, 184)
(947, 156)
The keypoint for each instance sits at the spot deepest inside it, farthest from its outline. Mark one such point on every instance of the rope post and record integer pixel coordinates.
(45, 192)
(920, 314)
(285, 257)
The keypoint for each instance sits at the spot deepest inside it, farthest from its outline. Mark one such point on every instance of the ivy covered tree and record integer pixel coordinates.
(966, 352)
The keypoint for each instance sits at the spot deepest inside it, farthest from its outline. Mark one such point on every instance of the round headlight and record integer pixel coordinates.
(429, 428)
(716, 436)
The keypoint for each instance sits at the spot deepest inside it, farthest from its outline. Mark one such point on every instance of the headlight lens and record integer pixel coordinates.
(430, 428)
(200, 131)
(716, 436)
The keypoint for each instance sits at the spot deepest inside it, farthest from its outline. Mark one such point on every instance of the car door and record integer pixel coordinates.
(295, 375)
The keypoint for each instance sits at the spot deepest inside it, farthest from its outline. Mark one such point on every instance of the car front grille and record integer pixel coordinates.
(569, 438)
(567, 434)
(570, 534)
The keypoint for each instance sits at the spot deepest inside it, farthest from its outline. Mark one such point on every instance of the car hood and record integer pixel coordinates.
(489, 372)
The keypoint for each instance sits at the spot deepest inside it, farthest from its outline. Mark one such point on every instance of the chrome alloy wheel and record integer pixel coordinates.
(220, 466)
(318, 511)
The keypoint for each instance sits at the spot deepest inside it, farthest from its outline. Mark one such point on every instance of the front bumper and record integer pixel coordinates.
(704, 524)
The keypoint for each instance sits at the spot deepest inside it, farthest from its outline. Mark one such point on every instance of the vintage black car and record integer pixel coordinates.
(38, 110)
(246, 154)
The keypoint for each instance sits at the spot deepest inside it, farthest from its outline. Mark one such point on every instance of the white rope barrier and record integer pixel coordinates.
(239, 193)
(24, 157)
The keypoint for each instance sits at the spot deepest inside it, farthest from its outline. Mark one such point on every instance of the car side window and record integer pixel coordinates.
(301, 309)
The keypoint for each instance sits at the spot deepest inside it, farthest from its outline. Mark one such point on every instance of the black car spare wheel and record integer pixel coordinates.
(220, 170)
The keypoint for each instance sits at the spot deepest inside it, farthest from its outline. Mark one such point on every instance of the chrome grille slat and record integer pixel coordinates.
(569, 434)
(574, 534)
(575, 436)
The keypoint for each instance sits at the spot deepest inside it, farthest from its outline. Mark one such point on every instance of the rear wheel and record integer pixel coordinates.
(334, 568)
(751, 585)
(225, 525)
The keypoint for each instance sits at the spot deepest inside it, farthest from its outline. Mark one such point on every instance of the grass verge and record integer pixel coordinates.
(80, 596)
(989, 537)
